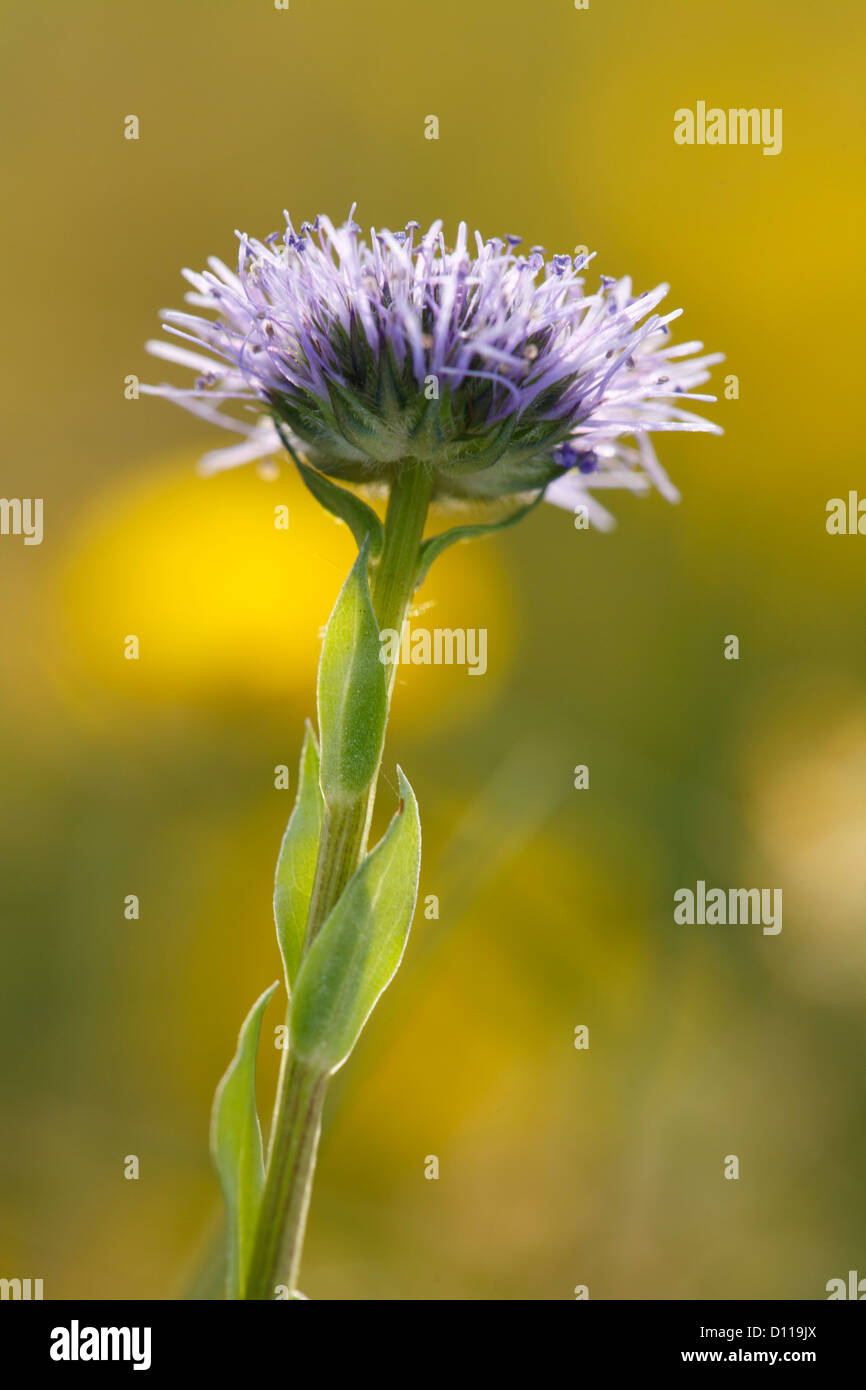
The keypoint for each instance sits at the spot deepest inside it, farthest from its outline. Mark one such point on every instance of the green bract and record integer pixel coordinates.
(365, 436)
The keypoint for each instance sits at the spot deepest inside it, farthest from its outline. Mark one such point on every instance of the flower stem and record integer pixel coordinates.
(279, 1240)
(283, 1213)
(344, 832)
(394, 577)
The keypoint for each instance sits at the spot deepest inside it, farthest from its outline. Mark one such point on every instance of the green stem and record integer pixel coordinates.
(286, 1198)
(394, 576)
(343, 843)
(341, 846)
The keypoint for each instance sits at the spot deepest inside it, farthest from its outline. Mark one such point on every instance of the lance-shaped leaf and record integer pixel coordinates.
(361, 520)
(236, 1146)
(358, 950)
(352, 692)
(433, 547)
(296, 865)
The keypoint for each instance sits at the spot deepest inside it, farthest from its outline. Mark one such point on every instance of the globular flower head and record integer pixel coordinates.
(493, 368)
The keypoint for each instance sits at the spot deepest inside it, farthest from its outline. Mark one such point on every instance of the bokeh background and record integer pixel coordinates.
(557, 1167)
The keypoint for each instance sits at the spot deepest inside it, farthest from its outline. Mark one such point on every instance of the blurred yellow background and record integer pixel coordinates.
(558, 1167)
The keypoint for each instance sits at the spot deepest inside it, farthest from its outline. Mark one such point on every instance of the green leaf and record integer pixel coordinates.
(357, 952)
(361, 520)
(433, 547)
(296, 864)
(236, 1146)
(352, 692)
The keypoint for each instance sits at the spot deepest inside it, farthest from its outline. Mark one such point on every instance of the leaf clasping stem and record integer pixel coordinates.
(281, 1224)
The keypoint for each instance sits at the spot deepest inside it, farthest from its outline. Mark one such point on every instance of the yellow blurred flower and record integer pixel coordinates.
(227, 584)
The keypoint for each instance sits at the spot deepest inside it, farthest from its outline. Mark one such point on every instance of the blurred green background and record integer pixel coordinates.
(557, 1167)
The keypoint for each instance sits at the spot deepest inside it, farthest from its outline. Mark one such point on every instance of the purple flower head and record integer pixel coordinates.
(494, 369)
